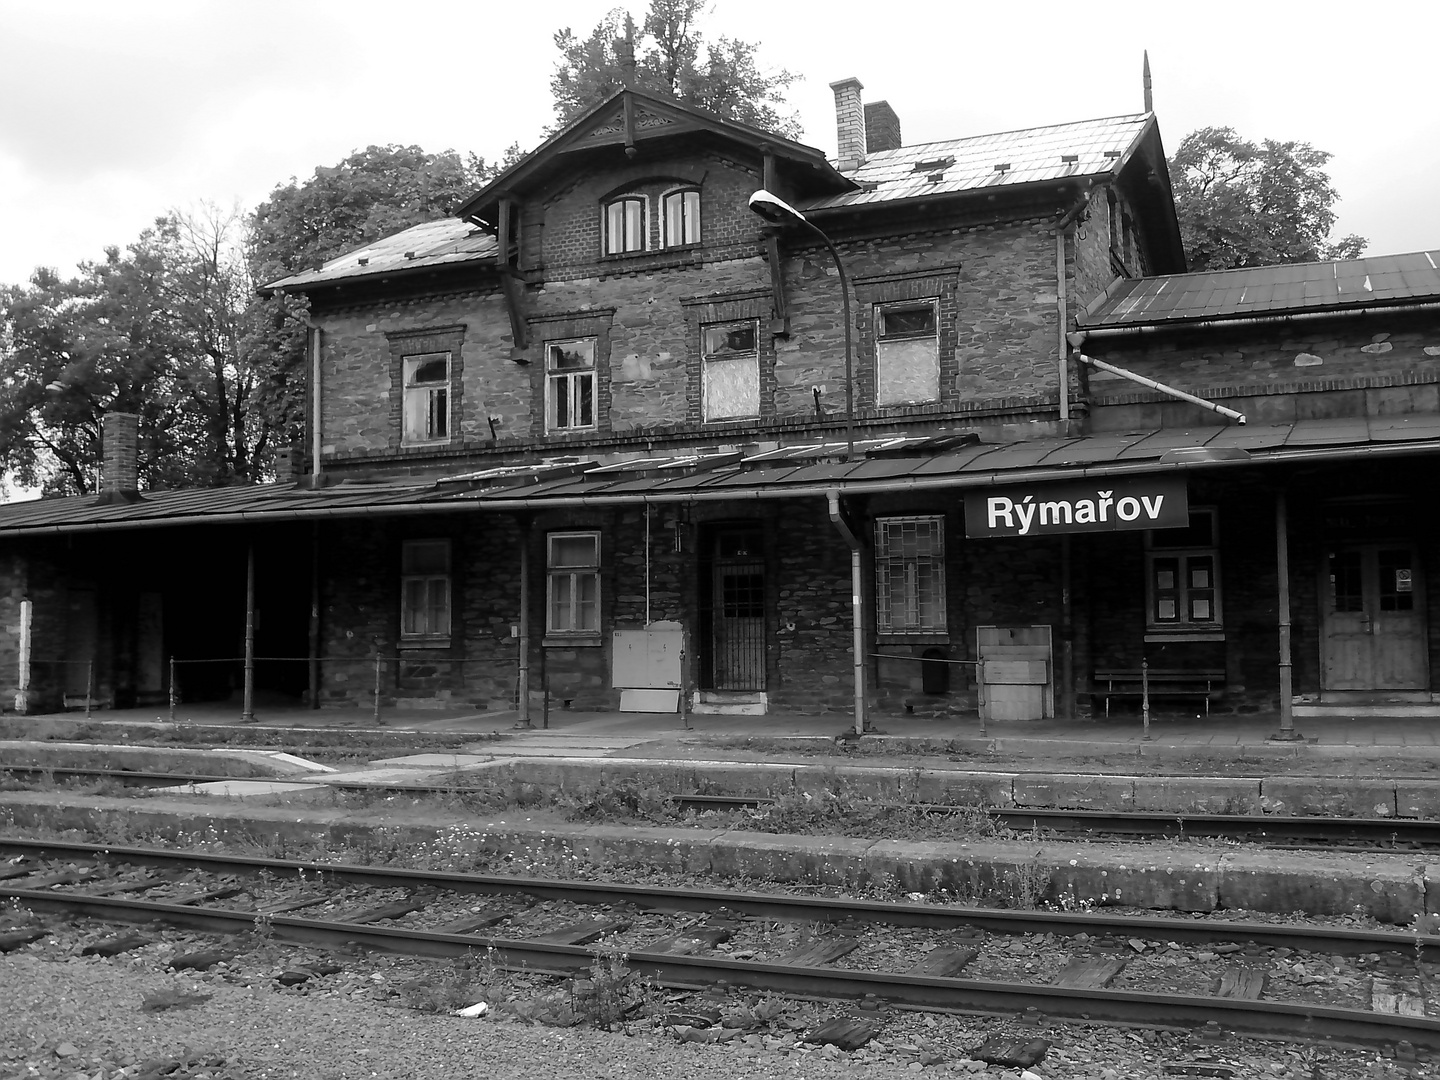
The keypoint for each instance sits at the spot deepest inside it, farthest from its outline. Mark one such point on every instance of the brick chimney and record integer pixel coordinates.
(120, 471)
(849, 125)
(289, 464)
(882, 128)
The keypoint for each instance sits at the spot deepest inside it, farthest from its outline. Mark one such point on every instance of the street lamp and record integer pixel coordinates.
(777, 211)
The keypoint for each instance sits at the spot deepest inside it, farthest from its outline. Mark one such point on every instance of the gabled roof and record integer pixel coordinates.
(1338, 285)
(429, 244)
(629, 118)
(1003, 159)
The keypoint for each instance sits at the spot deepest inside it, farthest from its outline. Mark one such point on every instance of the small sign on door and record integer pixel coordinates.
(1404, 581)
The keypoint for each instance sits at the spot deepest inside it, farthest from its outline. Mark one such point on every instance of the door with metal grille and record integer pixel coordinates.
(739, 611)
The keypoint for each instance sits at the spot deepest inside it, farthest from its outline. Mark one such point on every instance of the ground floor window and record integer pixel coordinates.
(573, 587)
(910, 575)
(1183, 575)
(425, 589)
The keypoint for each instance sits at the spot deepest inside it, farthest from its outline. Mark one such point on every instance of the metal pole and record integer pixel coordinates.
(858, 639)
(89, 686)
(545, 684)
(849, 351)
(174, 696)
(314, 627)
(1067, 631)
(247, 712)
(523, 689)
(1287, 732)
(22, 686)
(1145, 696)
(376, 715)
(684, 696)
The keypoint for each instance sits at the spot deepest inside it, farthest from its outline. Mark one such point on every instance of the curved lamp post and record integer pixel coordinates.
(777, 211)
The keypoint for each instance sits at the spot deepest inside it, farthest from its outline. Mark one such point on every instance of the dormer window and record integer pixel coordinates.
(625, 225)
(427, 398)
(682, 218)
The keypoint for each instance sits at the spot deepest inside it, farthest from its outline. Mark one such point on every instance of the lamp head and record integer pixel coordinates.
(775, 210)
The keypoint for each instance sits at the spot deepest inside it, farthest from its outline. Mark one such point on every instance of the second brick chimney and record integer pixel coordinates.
(120, 469)
(849, 125)
(882, 128)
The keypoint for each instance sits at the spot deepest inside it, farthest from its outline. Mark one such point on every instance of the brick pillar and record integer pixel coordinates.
(849, 125)
(120, 477)
(882, 128)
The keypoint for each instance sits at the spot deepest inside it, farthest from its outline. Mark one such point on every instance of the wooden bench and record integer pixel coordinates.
(1163, 683)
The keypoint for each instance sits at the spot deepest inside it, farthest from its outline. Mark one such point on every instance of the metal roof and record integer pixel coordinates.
(654, 479)
(1265, 290)
(1003, 159)
(431, 243)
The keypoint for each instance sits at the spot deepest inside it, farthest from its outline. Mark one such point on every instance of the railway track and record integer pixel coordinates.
(1391, 834)
(792, 945)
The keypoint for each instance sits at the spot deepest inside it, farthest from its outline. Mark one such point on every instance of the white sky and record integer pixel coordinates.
(113, 112)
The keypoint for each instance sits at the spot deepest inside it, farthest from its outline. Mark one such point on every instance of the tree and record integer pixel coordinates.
(1241, 204)
(672, 60)
(373, 193)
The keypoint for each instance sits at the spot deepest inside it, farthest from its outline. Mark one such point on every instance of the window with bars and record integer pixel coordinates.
(425, 589)
(573, 586)
(910, 575)
(625, 225)
(682, 218)
(907, 354)
(730, 370)
(427, 398)
(1183, 575)
(570, 385)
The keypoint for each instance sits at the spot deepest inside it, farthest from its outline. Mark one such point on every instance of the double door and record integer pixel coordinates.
(1374, 619)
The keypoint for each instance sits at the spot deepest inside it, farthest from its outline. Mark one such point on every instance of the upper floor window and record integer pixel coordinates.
(910, 575)
(427, 398)
(730, 370)
(570, 385)
(1183, 575)
(907, 353)
(425, 589)
(625, 225)
(573, 583)
(682, 218)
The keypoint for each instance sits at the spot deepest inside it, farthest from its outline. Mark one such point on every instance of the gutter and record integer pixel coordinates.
(1224, 322)
(963, 481)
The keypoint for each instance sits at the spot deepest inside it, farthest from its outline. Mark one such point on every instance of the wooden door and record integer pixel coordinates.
(739, 611)
(1374, 622)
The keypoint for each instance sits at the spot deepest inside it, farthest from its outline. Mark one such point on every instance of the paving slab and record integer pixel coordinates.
(241, 789)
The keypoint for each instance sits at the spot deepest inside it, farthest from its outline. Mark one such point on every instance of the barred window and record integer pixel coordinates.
(910, 575)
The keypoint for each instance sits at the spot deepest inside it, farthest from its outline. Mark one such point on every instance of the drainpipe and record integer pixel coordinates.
(837, 518)
(1062, 299)
(1124, 373)
(1253, 320)
(315, 435)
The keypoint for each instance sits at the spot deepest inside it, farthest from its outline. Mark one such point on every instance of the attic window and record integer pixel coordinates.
(625, 225)
(933, 165)
(1112, 153)
(1003, 167)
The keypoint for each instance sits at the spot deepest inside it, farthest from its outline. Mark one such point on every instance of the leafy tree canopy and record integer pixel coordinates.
(672, 59)
(1242, 204)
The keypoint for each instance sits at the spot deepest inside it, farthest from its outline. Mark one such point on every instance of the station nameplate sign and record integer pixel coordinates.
(1077, 507)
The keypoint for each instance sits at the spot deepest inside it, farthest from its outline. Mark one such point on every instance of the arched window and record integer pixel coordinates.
(682, 218)
(625, 225)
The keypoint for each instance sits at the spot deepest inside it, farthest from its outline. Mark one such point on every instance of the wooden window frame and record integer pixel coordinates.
(1183, 589)
(566, 384)
(690, 218)
(428, 631)
(630, 241)
(707, 358)
(416, 391)
(571, 576)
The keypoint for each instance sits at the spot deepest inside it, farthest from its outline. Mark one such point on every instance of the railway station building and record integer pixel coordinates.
(678, 410)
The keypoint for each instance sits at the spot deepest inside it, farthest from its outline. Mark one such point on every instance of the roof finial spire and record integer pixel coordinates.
(1149, 100)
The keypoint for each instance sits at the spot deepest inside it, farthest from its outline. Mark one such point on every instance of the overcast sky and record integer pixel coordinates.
(113, 112)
